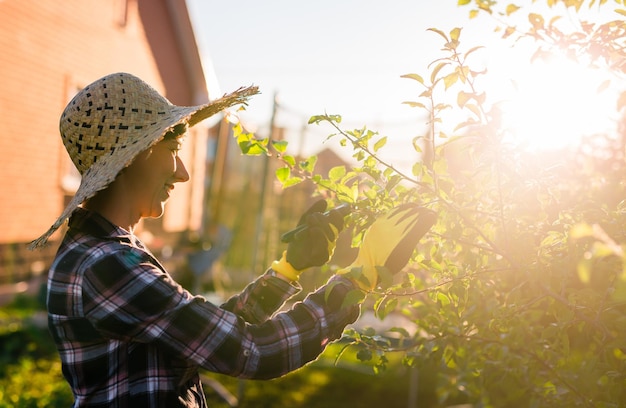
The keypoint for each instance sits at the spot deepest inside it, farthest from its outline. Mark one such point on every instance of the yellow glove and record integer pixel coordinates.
(312, 242)
(389, 243)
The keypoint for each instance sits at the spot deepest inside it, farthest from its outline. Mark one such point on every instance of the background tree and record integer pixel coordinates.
(518, 295)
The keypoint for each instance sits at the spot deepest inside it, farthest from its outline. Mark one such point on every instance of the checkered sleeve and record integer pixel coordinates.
(261, 298)
(128, 296)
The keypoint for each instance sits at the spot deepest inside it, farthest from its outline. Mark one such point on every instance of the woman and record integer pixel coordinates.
(127, 333)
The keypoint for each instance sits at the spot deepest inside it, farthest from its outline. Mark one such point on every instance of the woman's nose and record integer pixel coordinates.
(180, 175)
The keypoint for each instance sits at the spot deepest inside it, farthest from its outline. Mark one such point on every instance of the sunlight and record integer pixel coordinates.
(553, 104)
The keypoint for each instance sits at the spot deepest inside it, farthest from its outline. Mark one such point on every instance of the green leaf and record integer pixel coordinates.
(324, 118)
(443, 299)
(450, 80)
(455, 33)
(290, 160)
(462, 98)
(438, 67)
(364, 355)
(337, 173)
(385, 277)
(400, 330)
(279, 145)
(250, 146)
(342, 351)
(414, 104)
(441, 107)
(417, 148)
(292, 181)
(316, 119)
(441, 33)
(511, 8)
(472, 50)
(256, 149)
(508, 32)
(380, 143)
(283, 174)
(463, 73)
(309, 164)
(448, 356)
(452, 45)
(345, 191)
(386, 306)
(414, 77)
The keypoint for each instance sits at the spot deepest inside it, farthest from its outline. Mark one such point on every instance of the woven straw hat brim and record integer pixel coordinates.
(99, 175)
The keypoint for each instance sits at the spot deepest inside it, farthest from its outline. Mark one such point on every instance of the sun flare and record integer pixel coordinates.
(553, 104)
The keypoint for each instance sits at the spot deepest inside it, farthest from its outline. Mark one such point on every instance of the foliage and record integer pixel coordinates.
(597, 43)
(31, 383)
(518, 296)
(30, 369)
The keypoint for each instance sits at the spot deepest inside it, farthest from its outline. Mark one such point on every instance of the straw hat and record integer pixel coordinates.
(108, 123)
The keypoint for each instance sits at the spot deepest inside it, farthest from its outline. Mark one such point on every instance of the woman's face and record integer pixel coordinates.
(152, 176)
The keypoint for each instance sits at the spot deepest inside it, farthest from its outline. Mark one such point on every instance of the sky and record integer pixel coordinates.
(347, 58)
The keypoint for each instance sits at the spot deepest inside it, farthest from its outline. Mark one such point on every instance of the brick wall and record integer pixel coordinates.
(48, 50)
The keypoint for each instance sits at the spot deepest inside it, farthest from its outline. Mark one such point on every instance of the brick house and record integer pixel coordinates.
(48, 51)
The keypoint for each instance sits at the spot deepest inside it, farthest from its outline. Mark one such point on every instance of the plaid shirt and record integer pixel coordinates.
(129, 336)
